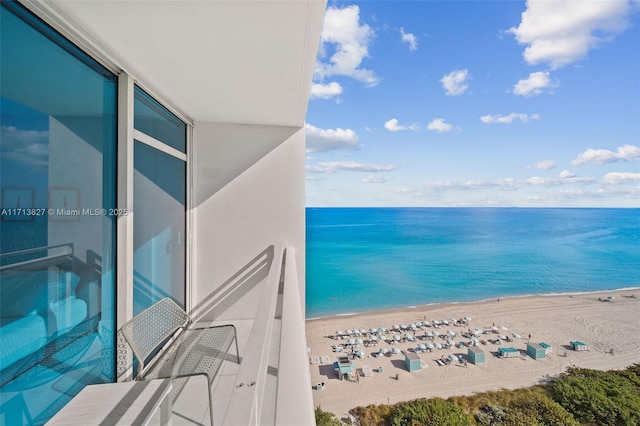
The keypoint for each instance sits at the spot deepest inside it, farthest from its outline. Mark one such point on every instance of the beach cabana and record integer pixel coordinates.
(476, 355)
(535, 351)
(343, 366)
(579, 346)
(508, 352)
(547, 347)
(412, 361)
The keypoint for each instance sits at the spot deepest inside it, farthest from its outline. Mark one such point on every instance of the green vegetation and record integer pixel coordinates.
(577, 397)
(324, 418)
(600, 397)
(432, 412)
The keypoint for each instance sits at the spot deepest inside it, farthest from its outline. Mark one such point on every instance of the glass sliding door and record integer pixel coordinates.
(159, 190)
(57, 187)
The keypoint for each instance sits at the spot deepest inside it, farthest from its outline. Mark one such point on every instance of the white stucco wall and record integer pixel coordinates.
(248, 193)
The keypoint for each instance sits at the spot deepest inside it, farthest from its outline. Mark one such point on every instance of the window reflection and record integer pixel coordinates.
(57, 151)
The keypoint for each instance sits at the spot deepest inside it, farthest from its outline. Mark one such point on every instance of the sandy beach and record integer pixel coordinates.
(610, 328)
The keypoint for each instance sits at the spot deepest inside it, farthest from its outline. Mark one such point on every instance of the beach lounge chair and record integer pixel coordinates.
(324, 359)
(366, 371)
(314, 360)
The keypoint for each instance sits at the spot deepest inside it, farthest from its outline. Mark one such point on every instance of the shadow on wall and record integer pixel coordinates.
(222, 152)
(236, 287)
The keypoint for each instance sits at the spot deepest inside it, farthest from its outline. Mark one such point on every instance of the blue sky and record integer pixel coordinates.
(461, 103)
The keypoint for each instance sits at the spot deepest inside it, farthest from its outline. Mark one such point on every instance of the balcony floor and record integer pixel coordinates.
(190, 407)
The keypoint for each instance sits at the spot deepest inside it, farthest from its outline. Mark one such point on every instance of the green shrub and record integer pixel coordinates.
(537, 409)
(599, 397)
(521, 408)
(324, 418)
(431, 412)
(372, 415)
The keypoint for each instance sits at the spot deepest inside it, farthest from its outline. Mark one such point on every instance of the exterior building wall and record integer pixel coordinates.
(248, 194)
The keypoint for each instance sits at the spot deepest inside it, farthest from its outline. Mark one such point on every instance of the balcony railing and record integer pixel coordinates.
(271, 385)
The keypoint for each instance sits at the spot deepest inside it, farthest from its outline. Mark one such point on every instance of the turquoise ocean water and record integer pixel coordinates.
(362, 259)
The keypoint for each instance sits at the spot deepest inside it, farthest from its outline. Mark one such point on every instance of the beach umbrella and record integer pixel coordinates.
(351, 342)
(422, 347)
(383, 337)
(383, 330)
(418, 324)
(494, 329)
(429, 345)
(359, 342)
(349, 332)
(373, 338)
(451, 333)
(428, 334)
(501, 337)
(504, 328)
(373, 330)
(383, 351)
(413, 327)
(438, 345)
(395, 327)
(435, 322)
(516, 336)
(409, 337)
(395, 350)
(403, 326)
(436, 334)
(445, 322)
(363, 331)
(474, 340)
(453, 320)
(359, 354)
(453, 358)
(339, 332)
(451, 342)
(467, 319)
(397, 337)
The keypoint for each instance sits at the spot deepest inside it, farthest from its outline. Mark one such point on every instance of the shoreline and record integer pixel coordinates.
(510, 297)
(609, 328)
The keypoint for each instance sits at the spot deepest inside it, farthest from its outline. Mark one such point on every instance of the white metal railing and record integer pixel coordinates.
(245, 404)
(294, 403)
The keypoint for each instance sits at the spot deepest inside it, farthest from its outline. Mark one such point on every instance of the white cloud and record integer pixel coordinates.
(325, 91)
(351, 41)
(534, 84)
(508, 119)
(30, 147)
(601, 156)
(410, 39)
(439, 125)
(349, 166)
(541, 181)
(561, 32)
(456, 82)
(376, 179)
(544, 164)
(506, 184)
(393, 126)
(620, 178)
(322, 140)
(566, 174)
